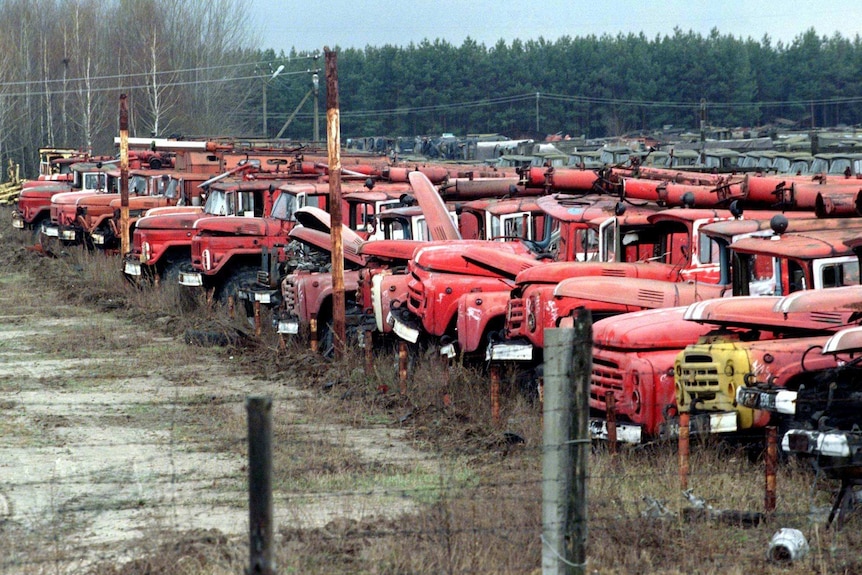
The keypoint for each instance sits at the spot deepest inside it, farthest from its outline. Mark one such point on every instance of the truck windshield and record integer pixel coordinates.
(781, 165)
(398, 228)
(94, 181)
(167, 186)
(512, 226)
(761, 275)
(819, 165)
(798, 167)
(216, 203)
(839, 165)
(284, 207)
(137, 185)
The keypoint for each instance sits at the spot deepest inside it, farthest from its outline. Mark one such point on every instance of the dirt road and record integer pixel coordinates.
(114, 434)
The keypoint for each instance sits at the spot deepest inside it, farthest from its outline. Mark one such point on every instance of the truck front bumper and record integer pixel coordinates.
(843, 444)
(263, 296)
(288, 325)
(103, 239)
(132, 268)
(404, 324)
(50, 230)
(703, 423)
(626, 432)
(70, 235)
(774, 400)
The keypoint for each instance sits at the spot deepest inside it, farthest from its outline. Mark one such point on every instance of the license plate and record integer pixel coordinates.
(68, 235)
(721, 422)
(191, 279)
(778, 401)
(263, 297)
(798, 442)
(132, 268)
(402, 330)
(448, 350)
(290, 327)
(98, 239)
(509, 352)
(753, 398)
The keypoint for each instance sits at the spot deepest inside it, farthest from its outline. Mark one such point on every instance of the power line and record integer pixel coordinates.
(145, 86)
(197, 69)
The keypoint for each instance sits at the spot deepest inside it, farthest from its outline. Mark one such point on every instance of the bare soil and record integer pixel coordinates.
(109, 429)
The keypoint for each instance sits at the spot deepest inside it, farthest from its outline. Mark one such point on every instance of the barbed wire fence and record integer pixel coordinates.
(635, 505)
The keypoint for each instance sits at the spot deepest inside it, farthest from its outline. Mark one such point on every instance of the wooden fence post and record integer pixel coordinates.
(260, 485)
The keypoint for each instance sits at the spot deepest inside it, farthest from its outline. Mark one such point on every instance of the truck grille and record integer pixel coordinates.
(288, 292)
(415, 295)
(699, 375)
(65, 218)
(515, 315)
(606, 376)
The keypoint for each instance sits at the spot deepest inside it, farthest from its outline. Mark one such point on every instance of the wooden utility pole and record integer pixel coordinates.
(683, 448)
(333, 144)
(124, 176)
(771, 468)
(568, 362)
(260, 485)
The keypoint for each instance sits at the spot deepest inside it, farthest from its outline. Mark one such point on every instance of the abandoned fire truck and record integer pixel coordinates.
(634, 353)
(826, 418)
(803, 407)
(667, 247)
(306, 293)
(439, 274)
(708, 375)
(161, 242)
(226, 253)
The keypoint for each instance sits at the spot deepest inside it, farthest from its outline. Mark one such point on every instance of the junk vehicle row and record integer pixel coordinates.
(693, 278)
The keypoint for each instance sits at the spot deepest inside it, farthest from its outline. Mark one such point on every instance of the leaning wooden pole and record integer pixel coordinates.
(333, 144)
(124, 176)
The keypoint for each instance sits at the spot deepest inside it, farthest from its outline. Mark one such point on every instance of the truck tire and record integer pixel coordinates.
(239, 278)
(170, 273)
(50, 245)
(35, 231)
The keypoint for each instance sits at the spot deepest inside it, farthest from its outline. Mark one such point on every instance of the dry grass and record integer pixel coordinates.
(476, 501)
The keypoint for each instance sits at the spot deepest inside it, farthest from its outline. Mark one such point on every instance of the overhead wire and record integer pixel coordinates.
(501, 100)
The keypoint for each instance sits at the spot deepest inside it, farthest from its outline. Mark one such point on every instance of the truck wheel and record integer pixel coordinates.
(50, 245)
(35, 233)
(170, 272)
(326, 343)
(240, 278)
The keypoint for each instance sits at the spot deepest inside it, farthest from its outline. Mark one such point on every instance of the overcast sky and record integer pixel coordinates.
(286, 24)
